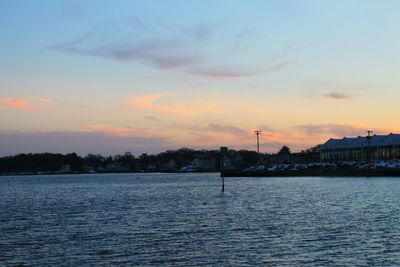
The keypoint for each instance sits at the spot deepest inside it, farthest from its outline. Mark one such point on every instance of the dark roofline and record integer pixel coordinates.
(375, 140)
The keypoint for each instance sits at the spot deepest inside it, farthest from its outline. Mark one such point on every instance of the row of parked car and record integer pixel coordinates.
(394, 164)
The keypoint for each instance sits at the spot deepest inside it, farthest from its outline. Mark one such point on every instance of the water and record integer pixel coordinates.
(184, 220)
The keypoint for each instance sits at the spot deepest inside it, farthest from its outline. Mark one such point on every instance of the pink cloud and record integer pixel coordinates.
(18, 104)
(151, 102)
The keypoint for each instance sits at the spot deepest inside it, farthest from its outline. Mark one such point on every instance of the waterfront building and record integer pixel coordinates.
(361, 148)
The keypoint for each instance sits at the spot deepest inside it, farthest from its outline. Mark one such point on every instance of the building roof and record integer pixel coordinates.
(391, 139)
(337, 143)
(375, 140)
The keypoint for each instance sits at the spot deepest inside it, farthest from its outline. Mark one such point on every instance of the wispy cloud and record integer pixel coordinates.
(48, 101)
(227, 72)
(215, 128)
(151, 118)
(154, 44)
(45, 100)
(331, 96)
(152, 102)
(167, 47)
(201, 31)
(227, 129)
(125, 131)
(18, 104)
(337, 96)
(336, 130)
(267, 128)
(32, 103)
(215, 134)
(221, 72)
(157, 53)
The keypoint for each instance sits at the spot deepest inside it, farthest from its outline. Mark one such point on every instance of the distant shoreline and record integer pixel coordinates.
(315, 173)
(241, 173)
(95, 173)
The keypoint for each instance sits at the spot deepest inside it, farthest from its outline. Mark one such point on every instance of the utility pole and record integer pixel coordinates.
(258, 132)
(369, 143)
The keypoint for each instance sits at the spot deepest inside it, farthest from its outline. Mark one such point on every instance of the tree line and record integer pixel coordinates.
(127, 162)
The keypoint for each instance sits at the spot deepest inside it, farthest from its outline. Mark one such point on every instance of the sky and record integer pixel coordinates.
(107, 77)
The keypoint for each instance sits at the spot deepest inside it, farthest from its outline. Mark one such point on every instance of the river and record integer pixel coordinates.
(185, 220)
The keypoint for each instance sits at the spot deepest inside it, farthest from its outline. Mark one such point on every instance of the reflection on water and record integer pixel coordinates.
(184, 219)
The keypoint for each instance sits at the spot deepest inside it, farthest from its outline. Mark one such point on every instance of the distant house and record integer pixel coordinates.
(116, 167)
(65, 168)
(228, 163)
(205, 163)
(167, 166)
(151, 167)
(368, 148)
(238, 160)
(89, 169)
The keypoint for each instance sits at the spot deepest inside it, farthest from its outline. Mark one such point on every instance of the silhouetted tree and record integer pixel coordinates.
(127, 159)
(93, 160)
(312, 150)
(284, 151)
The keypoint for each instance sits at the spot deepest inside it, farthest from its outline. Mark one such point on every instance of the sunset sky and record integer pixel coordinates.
(146, 76)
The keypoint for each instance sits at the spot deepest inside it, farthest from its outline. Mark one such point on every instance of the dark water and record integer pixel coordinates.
(185, 220)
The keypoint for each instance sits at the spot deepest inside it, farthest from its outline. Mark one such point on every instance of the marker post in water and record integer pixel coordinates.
(223, 152)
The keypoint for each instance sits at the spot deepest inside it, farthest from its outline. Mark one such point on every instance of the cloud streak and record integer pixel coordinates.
(221, 72)
(213, 128)
(177, 50)
(184, 49)
(227, 72)
(152, 102)
(153, 52)
(125, 131)
(337, 130)
(337, 96)
(18, 104)
(45, 100)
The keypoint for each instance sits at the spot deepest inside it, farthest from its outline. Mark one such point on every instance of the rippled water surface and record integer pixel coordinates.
(184, 219)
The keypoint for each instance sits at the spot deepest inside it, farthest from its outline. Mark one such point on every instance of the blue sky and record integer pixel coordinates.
(171, 71)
